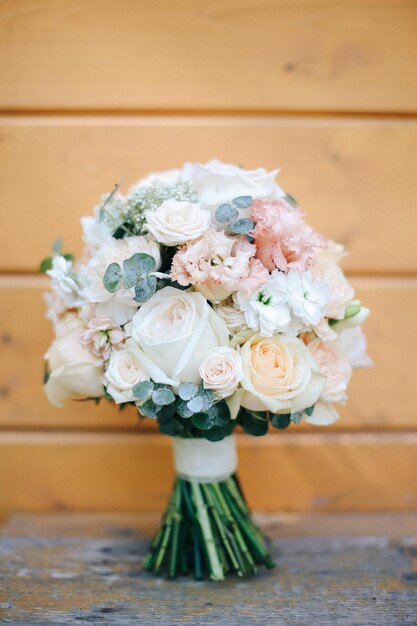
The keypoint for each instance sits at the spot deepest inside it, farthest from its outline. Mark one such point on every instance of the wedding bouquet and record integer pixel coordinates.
(205, 301)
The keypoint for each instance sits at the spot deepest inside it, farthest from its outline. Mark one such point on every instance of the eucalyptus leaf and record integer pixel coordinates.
(169, 426)
(186, 391)
(112, 277)
(162, 397)
(242, 202)
(143, 390)
(206, 396)
(68, 256)
(253, 424)
(280, 420)
(309, 411)
(196, 404)
(167, 411)
(205, 421)
(145, 288)
(57, 246)
(297, 417)
(241, 226)
(183, 410)
(148, 409)
(217, 433)
(222, 413)
(225, 213)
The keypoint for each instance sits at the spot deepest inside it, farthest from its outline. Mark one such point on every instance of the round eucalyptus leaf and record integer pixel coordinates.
(241, 226)
(148, 409)
(162, 397)
(242, 202)
(112, 277)
(143, 390)
(196, 404)
(186, 391)
(145, 288)
(280, 420)
(205, 421)
(225, 213)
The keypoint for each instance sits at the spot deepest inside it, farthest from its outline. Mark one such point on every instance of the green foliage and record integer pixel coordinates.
(46, 263)
(163, 396)
(289, 199)
(135, 273)
(253, 423)
(280, 420)
(112, 277)
(143, 390)
(229, 214)
(186, 391)
(240, 227)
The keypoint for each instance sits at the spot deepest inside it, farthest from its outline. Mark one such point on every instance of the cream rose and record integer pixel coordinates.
(279, 375)
(74, 371)
(175, 223)
(232, 315)
(124, 371)
(221, 371)
(173, 332)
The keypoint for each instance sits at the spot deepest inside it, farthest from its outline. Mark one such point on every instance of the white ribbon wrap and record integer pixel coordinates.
(205, 461)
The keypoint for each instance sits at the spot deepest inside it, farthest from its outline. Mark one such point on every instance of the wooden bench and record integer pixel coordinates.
(80, 568)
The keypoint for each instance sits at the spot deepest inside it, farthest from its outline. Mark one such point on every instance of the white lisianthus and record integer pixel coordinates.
(120, 305)
(351, 344)
(74, 372)
(308, 298)
(175, 223)
(279, 374)
(218, 182)
(124, 371)
(94, 232)
(173, 332)
(221, 371)
(67, 283)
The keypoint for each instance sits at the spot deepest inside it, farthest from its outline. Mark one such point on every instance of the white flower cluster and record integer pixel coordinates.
(204, 287)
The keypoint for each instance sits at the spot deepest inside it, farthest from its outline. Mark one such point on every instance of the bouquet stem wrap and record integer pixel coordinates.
(207, 528)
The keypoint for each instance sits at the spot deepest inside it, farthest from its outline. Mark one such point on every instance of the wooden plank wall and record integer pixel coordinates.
(93, 92)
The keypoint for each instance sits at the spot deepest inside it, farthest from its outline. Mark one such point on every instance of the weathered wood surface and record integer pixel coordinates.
(331, 570)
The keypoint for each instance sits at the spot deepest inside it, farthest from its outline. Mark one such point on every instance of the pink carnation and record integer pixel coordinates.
(218, 265)
(282, 238)
(335, 367)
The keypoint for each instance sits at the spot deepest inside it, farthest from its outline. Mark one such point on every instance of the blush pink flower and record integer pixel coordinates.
(283, 240)
(335, 367)
(217, 265)
(101, 336)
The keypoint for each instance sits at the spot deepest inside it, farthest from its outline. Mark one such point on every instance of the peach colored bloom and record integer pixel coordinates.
(282, 238)
(335, 367)
(218, 265)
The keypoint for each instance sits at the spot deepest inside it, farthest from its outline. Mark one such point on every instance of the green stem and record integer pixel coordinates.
(216, 570)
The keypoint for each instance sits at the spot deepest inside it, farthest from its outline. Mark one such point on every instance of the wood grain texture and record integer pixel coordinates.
(379, 398)
(354, 178)
(65, 577)
(302, 472)
(243, 54)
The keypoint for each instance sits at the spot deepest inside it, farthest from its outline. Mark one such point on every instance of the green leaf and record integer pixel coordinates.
(112, 277)
(297, 417)
(110, 196)
(162, 397)
(309, 411)
(68, 256)
(352, 310)
(280, 420)
(57, 246)
(167, 411)
(253, 424)
(207, 396)
(223, 413)
(225, 213)
(183, 410)
(148, 409)
(145, 288)
(196, 404)
(137, 266)
(169, 426)
(205, 421)
(45, 264)
(46, 373)
(241, 226)
(217, 433)
(186, 391)
(143, 390)
(290, 200)
(242, 202)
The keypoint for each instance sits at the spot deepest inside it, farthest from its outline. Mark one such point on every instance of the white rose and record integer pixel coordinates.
(279, 375)
(94, 232)
(175, 331)
(218, 182)
(323, 414)
(175, 223)
(119, 306)
(124, 371)
(74, 371)
(221, 371)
